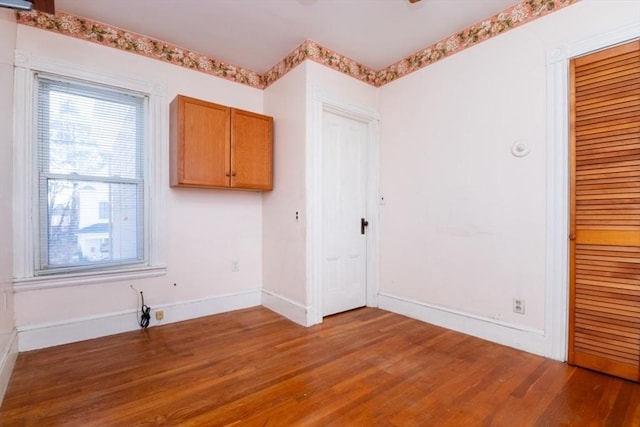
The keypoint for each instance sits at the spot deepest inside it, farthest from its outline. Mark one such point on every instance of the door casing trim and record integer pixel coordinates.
(557, 189)
(319, 102)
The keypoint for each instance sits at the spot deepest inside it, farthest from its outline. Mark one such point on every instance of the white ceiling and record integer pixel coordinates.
(256, 34)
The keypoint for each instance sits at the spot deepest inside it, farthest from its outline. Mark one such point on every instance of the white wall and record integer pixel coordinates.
(8, 342)
(285, 244)
(284, 238)
(346, 89)
(205, 229)
(463, 229)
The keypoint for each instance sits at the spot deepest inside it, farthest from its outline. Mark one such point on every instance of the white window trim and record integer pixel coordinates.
(25, 197)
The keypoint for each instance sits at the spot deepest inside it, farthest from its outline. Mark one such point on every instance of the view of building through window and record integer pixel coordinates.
(91, 175)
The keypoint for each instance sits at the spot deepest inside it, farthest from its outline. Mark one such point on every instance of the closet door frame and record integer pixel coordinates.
(557, 188)
(603, 243)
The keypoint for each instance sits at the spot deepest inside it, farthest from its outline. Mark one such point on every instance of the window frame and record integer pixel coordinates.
(27, 274)
(42, 266)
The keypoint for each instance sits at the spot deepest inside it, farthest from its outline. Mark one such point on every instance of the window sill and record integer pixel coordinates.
(78, 279)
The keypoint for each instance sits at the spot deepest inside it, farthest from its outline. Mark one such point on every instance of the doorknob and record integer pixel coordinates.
(363, 224)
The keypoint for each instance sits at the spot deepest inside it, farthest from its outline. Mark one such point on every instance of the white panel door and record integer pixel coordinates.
(344, 205)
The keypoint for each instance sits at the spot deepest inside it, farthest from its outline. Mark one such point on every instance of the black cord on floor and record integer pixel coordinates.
(145, 315)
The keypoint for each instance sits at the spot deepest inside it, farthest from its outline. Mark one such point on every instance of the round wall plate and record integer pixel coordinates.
(520, 148)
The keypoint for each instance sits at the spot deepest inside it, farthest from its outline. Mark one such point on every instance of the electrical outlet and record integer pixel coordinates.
(159, 314)
(518, 305)
(235, 266)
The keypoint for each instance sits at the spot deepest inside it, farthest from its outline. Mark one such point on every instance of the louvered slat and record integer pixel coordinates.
(608, 92)
(601, 313)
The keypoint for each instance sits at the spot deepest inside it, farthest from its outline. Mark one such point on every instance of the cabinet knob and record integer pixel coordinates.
(233, 173)
(227, 174)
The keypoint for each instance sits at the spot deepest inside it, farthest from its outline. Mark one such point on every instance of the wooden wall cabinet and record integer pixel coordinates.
(215, 146)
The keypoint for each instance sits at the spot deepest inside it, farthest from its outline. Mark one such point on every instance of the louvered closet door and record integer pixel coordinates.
(605, 211)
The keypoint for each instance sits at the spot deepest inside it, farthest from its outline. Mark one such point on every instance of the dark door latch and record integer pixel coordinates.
(363, 224)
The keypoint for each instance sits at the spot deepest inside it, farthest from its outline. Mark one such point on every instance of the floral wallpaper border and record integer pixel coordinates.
(508, 19)
(106, 35)
(322, 55)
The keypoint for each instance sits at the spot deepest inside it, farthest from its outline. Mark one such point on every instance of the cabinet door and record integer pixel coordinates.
(202, 144)
(251, 150)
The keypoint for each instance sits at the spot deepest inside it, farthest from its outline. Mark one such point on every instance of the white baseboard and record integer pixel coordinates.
(515, 336)
(287, 307)
(50, 334)
(206, 306)
(7, 362)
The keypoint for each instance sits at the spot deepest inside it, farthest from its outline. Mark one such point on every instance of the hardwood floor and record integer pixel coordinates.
(252, 367)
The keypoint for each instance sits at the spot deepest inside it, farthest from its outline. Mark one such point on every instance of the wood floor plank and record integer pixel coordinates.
(252, 367)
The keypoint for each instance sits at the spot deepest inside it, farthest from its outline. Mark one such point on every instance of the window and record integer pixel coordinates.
(104, 210)
(91, 176)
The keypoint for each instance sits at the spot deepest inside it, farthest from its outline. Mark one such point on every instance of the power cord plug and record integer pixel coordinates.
(145, 311)
(145, 315)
